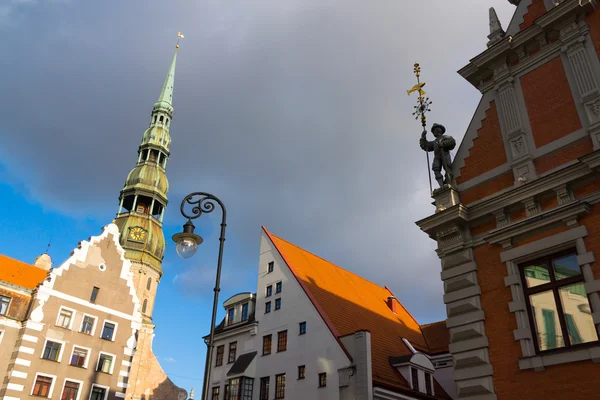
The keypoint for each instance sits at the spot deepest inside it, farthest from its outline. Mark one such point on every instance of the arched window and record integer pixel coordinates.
(161, 119)
(144, 305)
(149, 283)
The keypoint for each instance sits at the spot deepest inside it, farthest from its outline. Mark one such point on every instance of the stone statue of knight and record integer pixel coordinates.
(440, 146)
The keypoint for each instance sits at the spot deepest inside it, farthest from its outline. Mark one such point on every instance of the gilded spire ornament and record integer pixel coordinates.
(442, 144)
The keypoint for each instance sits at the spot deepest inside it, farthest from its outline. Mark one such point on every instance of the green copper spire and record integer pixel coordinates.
(165, 99)
(143, 199)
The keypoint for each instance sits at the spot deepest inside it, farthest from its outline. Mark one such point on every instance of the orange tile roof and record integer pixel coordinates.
(348, 303)
(19, 273)
(437, 337)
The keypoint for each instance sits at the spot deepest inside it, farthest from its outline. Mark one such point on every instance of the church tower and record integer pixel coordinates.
(143, 200)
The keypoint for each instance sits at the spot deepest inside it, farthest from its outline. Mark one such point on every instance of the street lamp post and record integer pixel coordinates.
(187, 243)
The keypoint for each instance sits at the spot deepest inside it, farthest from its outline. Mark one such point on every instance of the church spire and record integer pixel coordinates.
(143, 199)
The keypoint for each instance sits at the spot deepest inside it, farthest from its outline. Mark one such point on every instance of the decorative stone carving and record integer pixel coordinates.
(518, 146)
(594, 107)
(449, 235)
(501, 218)
(563, 194)
(345, 374)
(531, 206)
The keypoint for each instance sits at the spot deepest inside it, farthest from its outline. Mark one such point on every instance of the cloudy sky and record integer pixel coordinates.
(294, 113)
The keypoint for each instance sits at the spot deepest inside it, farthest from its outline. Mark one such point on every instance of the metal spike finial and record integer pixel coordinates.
(496, 31)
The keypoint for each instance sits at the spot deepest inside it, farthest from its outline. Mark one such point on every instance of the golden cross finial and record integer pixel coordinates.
(179, 37)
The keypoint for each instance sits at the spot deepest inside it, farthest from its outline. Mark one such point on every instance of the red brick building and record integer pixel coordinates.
(518, 232)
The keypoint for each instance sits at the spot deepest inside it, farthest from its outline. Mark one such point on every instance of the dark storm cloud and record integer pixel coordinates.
(295, 113)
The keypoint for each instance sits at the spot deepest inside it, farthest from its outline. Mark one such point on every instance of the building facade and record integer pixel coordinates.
(313, 330)
(519, 229)
(84, 330)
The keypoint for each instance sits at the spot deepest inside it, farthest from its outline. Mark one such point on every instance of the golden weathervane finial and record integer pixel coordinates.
(179, 37)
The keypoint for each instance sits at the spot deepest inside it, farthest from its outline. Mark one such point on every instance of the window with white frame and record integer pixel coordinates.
(80, 357)
(52, 350)
(71, 390)
(428, 384)
(4, 303)
(98, 392)
(109, 330)
(43, 385)
(106, 363)
(88, 324)
(558, 306)
(65, 318)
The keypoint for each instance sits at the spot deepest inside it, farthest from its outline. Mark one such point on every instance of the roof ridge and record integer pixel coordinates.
(327, 261)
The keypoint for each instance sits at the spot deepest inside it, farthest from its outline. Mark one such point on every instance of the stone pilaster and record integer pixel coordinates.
(517, 142)
(584, 75)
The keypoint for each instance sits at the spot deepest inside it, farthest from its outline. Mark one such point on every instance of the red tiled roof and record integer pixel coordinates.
(348, 303)
(437, 337)
(19, 273)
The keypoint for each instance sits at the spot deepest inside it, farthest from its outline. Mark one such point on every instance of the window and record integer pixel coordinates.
(144, 305)
(428, 386)
(79, 357)
(301, 372)
(42, 386)
(230, 316)
(215, 393)
(247, 388)
(98, 393)
(226, 390)
(558, 306)
(322, 379)
(52, 351)
(64, 319)
(70, 391)
(95, 291)
(244, 311)
(302, 328)
(108, 332)
(280, 386)
(87, 325)
(148, 283)
(232, 351)
(264, 388)
(269, 291)
(234, 389)
(220, 352)
(277, 304)
(4, 302)
(267, 307)
(278, 287)
(105, 363)
(414, 374)
(271, 266)
(267, 344)
(282, 341)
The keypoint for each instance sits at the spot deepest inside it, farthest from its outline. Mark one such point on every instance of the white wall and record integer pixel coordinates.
(245, 344)
(317, 349)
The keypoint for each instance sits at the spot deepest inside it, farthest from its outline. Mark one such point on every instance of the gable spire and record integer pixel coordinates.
(496, 31)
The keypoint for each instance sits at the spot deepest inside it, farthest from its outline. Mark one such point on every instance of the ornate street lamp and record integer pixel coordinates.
(187, 244)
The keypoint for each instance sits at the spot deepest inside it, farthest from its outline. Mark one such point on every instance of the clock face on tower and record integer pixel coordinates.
(137, 233)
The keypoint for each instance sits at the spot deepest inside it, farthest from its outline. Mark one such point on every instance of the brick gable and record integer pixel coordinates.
(488, 151)
(549, 102)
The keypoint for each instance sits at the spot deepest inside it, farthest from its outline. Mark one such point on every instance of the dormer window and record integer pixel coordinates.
(230, 314)
(428, 385)
(245, 312)
(414, 375)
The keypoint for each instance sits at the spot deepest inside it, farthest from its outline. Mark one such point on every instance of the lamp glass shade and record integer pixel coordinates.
(186, 247)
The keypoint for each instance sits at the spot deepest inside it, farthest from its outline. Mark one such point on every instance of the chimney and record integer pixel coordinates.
(392, 303)
(43, 262)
